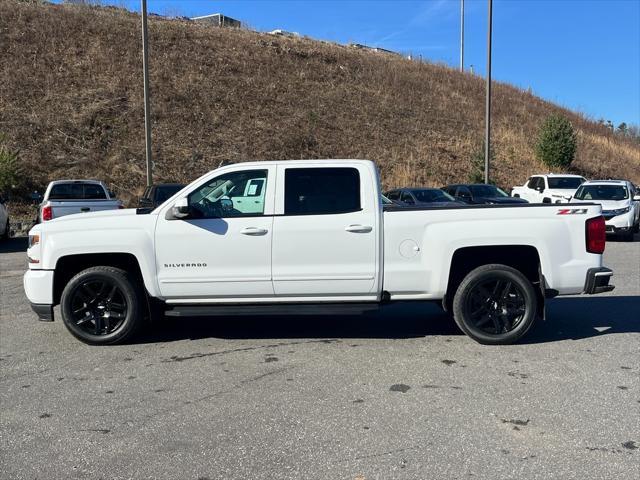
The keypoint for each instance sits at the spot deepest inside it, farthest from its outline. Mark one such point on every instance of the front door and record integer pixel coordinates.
(222, 250)
(325, 235)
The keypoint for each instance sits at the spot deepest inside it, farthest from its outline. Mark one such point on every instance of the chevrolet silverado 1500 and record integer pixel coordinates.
(255, 235)
(67, 197)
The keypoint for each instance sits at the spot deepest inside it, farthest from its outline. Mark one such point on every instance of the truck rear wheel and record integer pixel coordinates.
(495, 305)
(102, 305)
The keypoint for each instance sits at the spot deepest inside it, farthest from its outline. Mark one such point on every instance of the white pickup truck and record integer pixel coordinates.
(551, 188)
(66, 197)
(262, 235)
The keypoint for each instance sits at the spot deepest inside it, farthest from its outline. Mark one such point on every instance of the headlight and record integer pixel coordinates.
(620, 211)
(34, 240)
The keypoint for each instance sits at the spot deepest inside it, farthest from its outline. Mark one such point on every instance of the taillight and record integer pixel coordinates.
(47, 213)
(595, 235)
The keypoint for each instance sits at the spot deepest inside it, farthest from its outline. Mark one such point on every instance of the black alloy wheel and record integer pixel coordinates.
(495, 304)
(103, 305)
(98, 306)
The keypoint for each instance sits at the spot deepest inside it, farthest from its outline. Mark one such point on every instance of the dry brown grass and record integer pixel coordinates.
(71, 100)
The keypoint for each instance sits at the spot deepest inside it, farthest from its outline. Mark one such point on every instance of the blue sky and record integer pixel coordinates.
(582, 54)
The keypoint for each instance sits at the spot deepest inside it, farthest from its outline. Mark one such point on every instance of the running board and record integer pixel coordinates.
(270, 309)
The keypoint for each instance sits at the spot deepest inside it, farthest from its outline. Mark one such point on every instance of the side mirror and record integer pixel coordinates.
(409, 201)
(540, 189)
(180, 209)
(226, 204)
(111, 194)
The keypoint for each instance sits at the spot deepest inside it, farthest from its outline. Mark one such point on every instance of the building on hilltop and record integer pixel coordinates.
(361, 46)
(219, 20)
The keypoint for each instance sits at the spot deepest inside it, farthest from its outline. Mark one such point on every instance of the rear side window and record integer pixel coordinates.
(317, 191)
(77, 191)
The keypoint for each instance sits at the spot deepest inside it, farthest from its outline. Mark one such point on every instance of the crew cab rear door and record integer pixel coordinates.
(326, 231)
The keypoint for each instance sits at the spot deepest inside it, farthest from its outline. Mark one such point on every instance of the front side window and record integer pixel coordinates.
(317, 191)
(235, 194)
(602, 192)
(407, 198)
(393, 195)
(463, 192)
(432, 195)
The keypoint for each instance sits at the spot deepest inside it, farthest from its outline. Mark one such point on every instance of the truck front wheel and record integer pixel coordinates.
(102, 305)
(495, 305)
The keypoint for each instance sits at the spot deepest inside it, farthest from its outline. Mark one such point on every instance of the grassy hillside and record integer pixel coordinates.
(71, 101)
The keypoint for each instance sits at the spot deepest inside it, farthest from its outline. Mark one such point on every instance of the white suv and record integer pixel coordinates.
(551, 188)
(620, 204)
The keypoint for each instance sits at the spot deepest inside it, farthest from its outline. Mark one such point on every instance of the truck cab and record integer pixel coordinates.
(550, 188)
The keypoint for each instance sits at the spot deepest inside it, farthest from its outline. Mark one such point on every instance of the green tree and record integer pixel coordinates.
(477, 164)
(11, 171)
(622, 129)
(557, 142)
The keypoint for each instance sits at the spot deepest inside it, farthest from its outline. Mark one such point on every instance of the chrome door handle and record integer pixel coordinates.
(358, 228)
(254, 231)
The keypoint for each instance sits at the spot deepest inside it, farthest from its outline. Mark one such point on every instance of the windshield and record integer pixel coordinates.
(432, 195)
(602, 192)
(486, 191)
(77, 191)
(569, 183)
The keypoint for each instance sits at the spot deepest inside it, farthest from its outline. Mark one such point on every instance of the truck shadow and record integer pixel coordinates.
(13, 245)
(571, 318)
(575, 318)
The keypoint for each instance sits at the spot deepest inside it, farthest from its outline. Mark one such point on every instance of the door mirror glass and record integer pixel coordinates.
(226, 204)
(180, 209)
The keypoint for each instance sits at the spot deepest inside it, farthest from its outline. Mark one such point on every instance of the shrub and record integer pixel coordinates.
(477, 164)
(11, 171)
(557, 142)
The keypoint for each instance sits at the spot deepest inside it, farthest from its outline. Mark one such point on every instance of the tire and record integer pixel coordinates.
(103, 306)
(495, 305)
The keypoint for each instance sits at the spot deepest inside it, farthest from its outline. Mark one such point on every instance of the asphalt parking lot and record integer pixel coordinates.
(396, 394)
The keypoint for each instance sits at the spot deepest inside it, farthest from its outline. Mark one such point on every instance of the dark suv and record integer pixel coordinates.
(480, 193)
(158, 194)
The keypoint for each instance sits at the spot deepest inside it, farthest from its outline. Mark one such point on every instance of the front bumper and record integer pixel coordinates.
(38, 286)
(613, 230)
(598, 280)
(44, 311)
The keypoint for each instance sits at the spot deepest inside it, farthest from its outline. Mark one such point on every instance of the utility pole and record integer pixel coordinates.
(487, 120)
(147, 110)
(462, 35)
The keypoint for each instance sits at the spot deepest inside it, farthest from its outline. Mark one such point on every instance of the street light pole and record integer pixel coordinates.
(147, 110)
(462, 35)
(487, 120)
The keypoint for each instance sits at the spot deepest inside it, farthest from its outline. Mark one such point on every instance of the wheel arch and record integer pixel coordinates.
(70, 265)
(524, 258)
